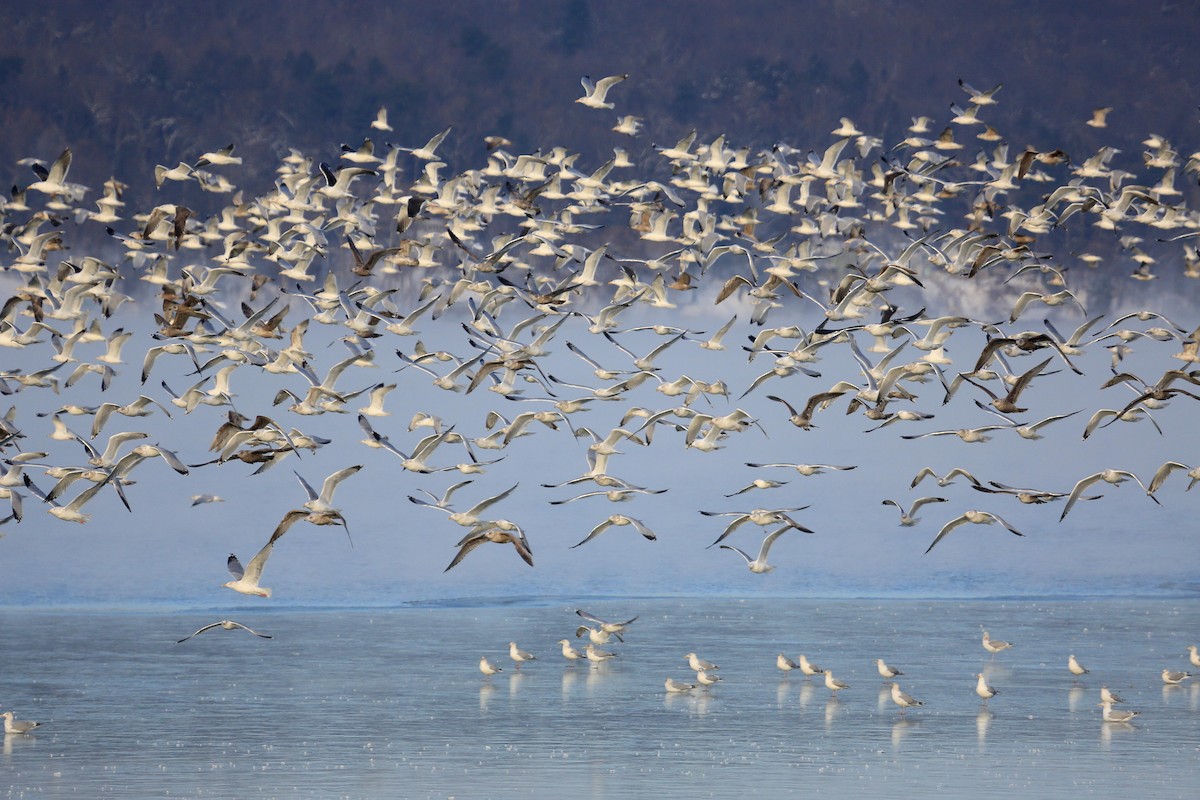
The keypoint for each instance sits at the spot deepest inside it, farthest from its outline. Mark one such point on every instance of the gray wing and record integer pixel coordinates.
(289, 519)
(249, 630)
(255, 567)
(739, 551)
(312, 493)
(331, 483)
(469, 545)
(770, 540)
(596, 531)
(235, 569)
(202, 630)
(642, 529)
(949, 526)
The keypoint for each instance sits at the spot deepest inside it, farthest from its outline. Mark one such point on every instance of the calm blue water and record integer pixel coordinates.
(390, 703)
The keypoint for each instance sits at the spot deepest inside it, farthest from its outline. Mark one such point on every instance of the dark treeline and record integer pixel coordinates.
(130, 85)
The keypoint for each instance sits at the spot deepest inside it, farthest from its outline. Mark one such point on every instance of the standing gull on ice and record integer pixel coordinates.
(903, 700)
(983, 690)
(17, 725)
(994, 646)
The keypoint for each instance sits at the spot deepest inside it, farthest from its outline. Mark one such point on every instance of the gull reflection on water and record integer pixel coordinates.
(18, 739)
(569, 677)
(515, 679)
(1110, 729)
(782, 689)
(1074, 697)
(486, 690)
(806, 694)
(901, 728)
(884, 698)
(982, 720)
(833, 707)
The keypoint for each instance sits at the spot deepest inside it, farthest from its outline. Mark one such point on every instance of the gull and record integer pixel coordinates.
(903, 700)
(199, 499)
(1030, 432)
(1075, 667)
(676, 687)
(1113, 476)
(699, 664)
(380, 123)
(1132, 415)
(219, 158)
(981, 98)
(759, 564)
(784, 663)
(1112, 715)
(597, 656)
(594, 93)
(760, 516)
(942, 481)
(228, 625)
(804, 419)
(54, 180)
(983, 690)
(427, 152)
(968, 435)
(471, 517)
(833, 684)
(808, 668)
(1109, 697)
(619, 495)
(628, 125)
(377, 395)
(17, 725)
(569, 652)
(597, 635)
(487, 667)
(706, 678)
(976, 517)
(71, 512)
(885, 671)
(646, 362)
(607, 627)
(1055, 299)
(318, 509)
(1008, 403)
(1099, 117)
(245, 579)
(619, 520)
(518, 655)
(486, 532)
(804, 469)
(714, 341)
(1161, 476)
(994, 646)
(1027, 496)
(909, 518)
(1194, 655)
(759, 483)
(1174, 678)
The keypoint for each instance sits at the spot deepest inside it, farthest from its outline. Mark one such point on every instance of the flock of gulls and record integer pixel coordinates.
(707, 673)
(825, 262)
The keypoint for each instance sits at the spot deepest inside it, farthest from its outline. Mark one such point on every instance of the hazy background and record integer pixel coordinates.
(128, 86)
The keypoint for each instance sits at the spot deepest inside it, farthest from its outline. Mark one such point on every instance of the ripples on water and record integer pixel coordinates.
(390, 702)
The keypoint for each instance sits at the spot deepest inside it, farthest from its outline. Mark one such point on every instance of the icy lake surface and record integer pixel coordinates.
(391, 703)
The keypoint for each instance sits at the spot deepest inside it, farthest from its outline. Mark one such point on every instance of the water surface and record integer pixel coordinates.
(390, 702)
